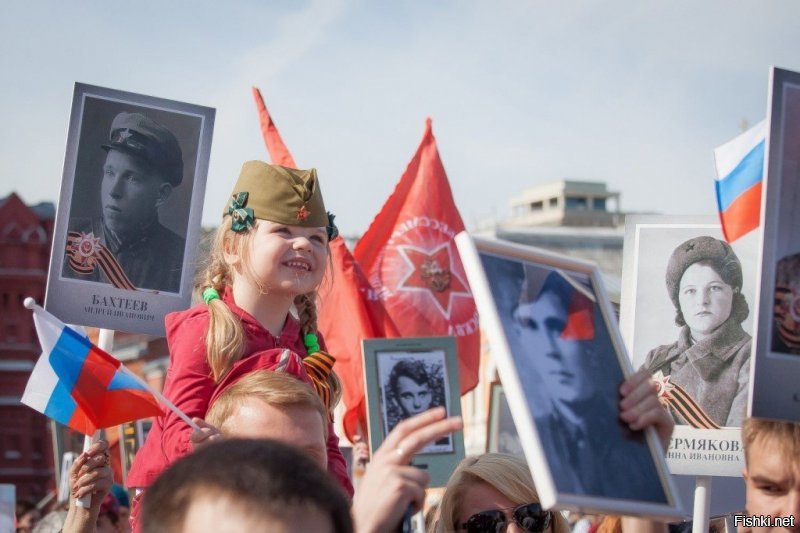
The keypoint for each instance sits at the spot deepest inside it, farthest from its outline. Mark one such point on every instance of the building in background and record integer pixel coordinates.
(29, 448)
(566, 203)
(26, 232)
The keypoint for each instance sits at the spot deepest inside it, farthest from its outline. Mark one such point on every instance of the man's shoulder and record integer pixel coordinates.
(168, 244)
(164, 235)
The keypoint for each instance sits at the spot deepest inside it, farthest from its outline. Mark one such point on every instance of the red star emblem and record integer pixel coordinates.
(303, 213)
(432, 272)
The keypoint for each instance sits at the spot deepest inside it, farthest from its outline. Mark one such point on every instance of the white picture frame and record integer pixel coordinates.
(648, 324)
(92, 279)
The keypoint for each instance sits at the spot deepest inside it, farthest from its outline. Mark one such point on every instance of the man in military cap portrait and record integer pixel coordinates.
(560, 338)
(127, 246)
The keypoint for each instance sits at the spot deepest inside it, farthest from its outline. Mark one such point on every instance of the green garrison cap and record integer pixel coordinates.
(278, 194)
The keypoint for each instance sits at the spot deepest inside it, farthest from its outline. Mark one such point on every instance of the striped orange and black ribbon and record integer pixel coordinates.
(683, 404)
(319, 365)
(101, 257)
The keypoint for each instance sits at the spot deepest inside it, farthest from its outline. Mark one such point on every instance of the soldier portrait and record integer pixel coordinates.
(128, 220)
(570, 374)
(116, 234)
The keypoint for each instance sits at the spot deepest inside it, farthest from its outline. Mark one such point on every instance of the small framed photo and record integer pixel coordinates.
(561, 360)
(776, 366)
(128, 221)
(687, 296)
(408, 376)
(502, 433)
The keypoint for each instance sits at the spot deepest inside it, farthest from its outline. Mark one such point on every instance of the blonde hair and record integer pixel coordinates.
(785, 435)
(225, 338)
(508, 474)
(273, 388)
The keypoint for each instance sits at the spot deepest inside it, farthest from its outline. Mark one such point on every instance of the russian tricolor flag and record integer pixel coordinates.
(79, 385)
(740, 172)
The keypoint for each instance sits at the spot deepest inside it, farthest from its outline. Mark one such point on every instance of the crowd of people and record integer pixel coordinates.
(249, 366)
(258, 474)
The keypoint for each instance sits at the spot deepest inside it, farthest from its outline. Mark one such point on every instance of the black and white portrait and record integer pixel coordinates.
(412, 383)
(689, 310)
(705, 373)
(404, 377)
(570, 374)
(687, 318)
(128, 221)
(131, 198)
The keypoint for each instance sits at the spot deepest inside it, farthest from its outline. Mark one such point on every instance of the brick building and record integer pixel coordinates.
(25, 444)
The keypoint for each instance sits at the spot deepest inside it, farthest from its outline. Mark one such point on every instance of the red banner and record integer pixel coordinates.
(411, 260)
(349, 312)
(277, 150)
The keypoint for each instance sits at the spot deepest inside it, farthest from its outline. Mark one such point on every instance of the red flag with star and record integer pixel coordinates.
(348, 312)
(410, 259)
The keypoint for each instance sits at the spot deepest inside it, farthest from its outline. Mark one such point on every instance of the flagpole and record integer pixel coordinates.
(702, 504)
(161, 398)
(105, 342)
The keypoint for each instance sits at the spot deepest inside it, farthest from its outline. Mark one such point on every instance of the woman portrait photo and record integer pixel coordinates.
(414, 385)
(704, 374)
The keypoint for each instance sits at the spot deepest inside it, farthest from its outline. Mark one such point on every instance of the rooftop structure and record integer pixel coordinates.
(566, 203)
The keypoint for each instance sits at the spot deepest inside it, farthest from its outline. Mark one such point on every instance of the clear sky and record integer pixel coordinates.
(633, 93)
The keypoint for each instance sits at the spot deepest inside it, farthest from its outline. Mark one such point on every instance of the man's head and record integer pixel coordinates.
(772, 472)
(143, 163)
(273, 405)
(245, 485)
(410, 385)
(559, 321)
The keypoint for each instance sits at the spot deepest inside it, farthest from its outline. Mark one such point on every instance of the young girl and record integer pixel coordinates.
(270, 253)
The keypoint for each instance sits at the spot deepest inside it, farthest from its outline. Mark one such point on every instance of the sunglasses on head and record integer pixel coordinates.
(530, 517)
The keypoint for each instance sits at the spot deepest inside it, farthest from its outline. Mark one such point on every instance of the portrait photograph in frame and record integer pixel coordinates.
(686, 316)
(408, 376)
(502, 433)
(561, 360)
(775, 391)
(128, 220)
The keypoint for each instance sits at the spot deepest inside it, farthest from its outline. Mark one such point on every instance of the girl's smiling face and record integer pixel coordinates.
(286, 259)
(706, 301)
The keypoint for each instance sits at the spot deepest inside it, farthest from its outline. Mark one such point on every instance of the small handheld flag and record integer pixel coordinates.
(740, 173)
(79, 385)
